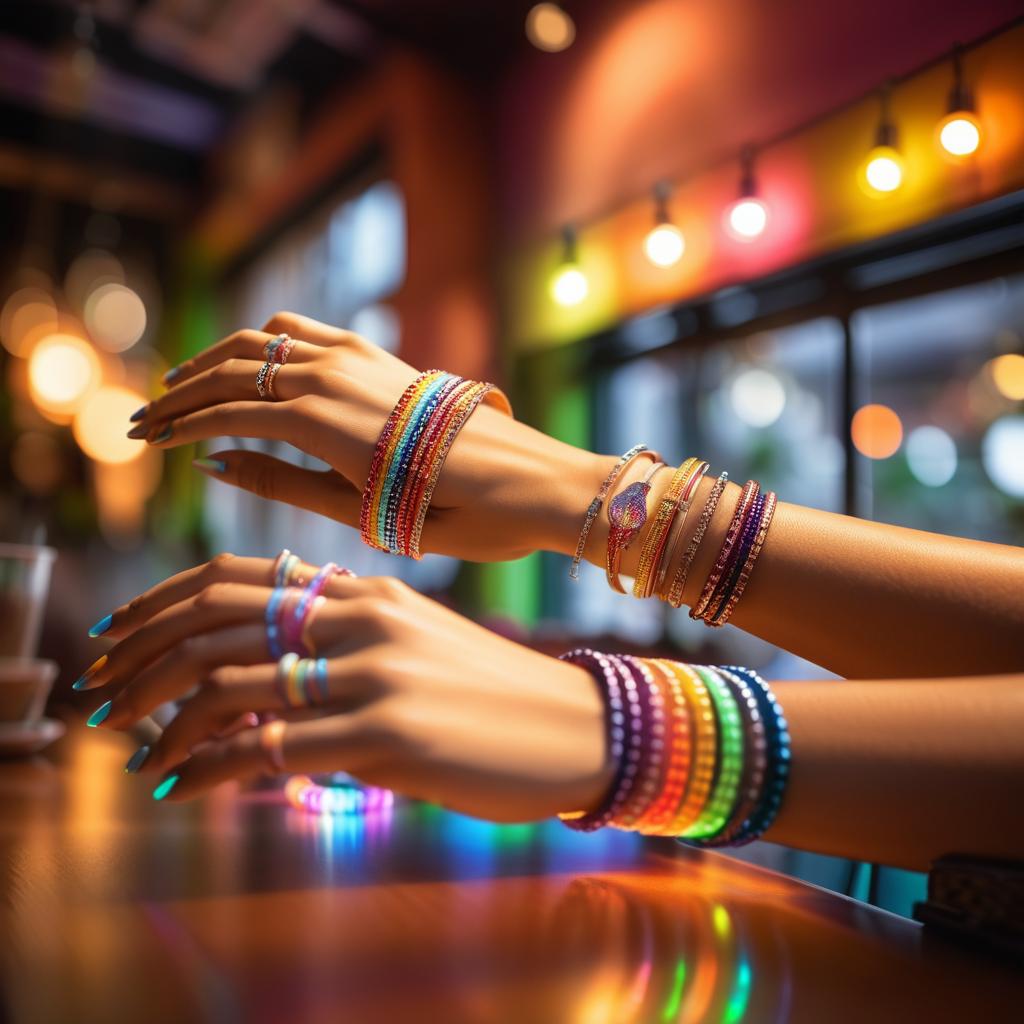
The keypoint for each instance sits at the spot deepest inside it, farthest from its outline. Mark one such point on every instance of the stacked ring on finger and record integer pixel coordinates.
(275, 369)
(284, 566)
(261, 379)
(301, 682)
(278, 349)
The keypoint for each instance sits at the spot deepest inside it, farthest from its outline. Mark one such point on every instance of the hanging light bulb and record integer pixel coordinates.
(569, 285)
(959, 131)
(664, 245)
(747, 218)
(550, 28)
(882, 171)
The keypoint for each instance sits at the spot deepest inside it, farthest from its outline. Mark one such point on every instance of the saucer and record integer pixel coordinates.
(19, 739)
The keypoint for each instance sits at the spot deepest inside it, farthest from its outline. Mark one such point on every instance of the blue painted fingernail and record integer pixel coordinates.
(211, 465)
(137, 760)
(164, 434)
(138, 432)
(171, 374)
(165, 787)
(101, 627)
(99, 715)
(139, 414)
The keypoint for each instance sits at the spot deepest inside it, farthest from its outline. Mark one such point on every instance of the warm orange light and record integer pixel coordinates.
(746, 219)
(664, 245)
(549, 28)
(1008, 374)
(883, 170)
(99, 425)
(88, 271)
(63, 371)
(960, 133)
(115, 316)
(28, 315)
(569, 286)
(876, 431)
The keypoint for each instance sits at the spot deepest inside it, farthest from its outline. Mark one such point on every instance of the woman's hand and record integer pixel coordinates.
(506, 489)
(422, 700)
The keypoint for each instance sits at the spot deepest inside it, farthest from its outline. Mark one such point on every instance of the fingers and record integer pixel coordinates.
(227, 694)
(232, 379)
(246, 344)
(340, 742)
(323, 491)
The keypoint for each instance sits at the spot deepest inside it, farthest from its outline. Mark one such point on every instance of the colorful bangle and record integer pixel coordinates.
(725, 791)
(306, 795)
(740, 585)
(737, 559)
(627, 514)
(620, 726)
(594, 508)
(650, 768)
(675, 592)
(273, 629)
(723, 562)
(285, 664)
(654, 544)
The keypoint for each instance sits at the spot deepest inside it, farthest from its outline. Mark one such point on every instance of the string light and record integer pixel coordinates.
(569, 286)
(747, 218)
(664, 245)
(959, 130)
(883, 168)
(549, 28)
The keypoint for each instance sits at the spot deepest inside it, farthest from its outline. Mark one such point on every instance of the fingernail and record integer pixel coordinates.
(138, 432)
(164, 434)
(139, 414)
(82, 682)
(101, 627)
(99, 715)
(137, 760)
(210, 465)
(171, 374)
(165, 787)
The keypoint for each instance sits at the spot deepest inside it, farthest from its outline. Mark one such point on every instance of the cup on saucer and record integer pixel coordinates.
(25, 683)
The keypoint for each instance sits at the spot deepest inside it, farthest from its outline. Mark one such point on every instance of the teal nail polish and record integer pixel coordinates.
(139, 414)
(164, 434)
(101, 627)
(137, 760)
(79, 683)
(165, 787)
(211, 465)
(99, 715)
(171, 374)
(138, 432)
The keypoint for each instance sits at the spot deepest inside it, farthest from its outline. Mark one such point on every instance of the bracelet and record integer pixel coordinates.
(306, 795)
(766, 516)
(595, 506)
(657, 536)
(675, 593)
(627, 514)
(747, 496)
(649, 778)
(737, 559)
(273, 630)
(678, 525)
(284, 565)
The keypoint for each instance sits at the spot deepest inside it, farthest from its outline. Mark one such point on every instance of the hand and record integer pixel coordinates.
(506, 489)
(422, 700)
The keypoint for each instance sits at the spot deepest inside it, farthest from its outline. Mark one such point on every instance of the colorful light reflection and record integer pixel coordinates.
(305, 795)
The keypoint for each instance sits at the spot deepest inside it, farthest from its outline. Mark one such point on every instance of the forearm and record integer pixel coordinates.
(902, 772)
(862, 599)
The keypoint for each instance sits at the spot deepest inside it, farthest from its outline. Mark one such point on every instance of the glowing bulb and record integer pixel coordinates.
(569, 287)
(99, 425)
(664, 245)
(883, 170)
(549, 28)
(1000, 455)
(747, 218)
(959, 133)
(1008, 373)
(876, 431)
(62, 371)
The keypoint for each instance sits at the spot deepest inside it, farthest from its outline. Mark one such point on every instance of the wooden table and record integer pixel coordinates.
(238, 908)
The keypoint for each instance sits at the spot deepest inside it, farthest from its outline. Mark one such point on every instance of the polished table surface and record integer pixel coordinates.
(238, 908)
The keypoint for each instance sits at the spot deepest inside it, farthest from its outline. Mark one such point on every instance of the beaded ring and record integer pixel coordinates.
(261, 379)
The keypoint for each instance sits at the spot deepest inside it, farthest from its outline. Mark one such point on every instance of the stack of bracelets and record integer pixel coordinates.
(628, 518)
(336, 798)
(701, 753)
(411, 453)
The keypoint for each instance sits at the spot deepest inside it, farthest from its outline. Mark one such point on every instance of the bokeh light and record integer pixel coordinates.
(1008, 375)
(28, 315)
(115, 317)
(664, 245)
(757, 397)
(549, 28)
(62, 371)
(876, 431)
(99, 426)
(960, 133)
(931, 456)
(569, 286)
(746, 219)
(88, 271)
(883, 170)
(1002, 454)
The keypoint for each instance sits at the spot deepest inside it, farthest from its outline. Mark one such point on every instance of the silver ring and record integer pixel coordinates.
(261, 379)
(275, 369)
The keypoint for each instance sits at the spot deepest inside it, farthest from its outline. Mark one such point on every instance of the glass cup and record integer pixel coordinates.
(24, 584)
(25, 683)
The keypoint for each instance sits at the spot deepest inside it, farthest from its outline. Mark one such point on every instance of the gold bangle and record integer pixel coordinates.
(675, 593)
(655, 540)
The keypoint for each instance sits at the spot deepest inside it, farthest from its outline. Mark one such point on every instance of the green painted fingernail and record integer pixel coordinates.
(165, 787)
(211, 465)
(164, 434)
(99, 715)
(137, 760)
(101, 627)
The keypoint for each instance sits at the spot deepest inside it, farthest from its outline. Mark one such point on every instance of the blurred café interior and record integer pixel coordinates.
(810, 214)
